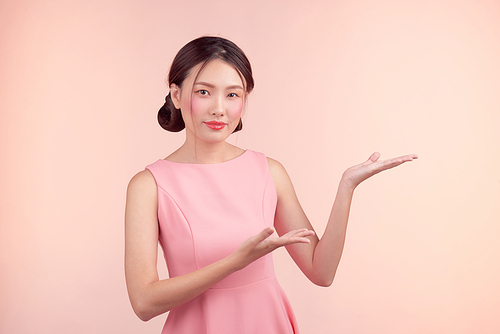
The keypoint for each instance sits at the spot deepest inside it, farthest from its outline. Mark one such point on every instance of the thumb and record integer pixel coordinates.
(264, 234)
(374, 157)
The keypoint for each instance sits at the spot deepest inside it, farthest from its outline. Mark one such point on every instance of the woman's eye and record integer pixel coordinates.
(233, 95)
(202, 92)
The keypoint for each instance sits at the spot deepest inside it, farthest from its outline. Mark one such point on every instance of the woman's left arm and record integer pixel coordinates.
(319, 259)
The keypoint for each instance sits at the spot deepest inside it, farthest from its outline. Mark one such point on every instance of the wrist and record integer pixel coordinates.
(346, 185)
(233, 262)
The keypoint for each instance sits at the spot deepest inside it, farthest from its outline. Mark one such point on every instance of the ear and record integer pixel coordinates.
(175, 95)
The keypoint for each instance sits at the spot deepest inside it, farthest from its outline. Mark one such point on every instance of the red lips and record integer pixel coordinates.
(215, 125)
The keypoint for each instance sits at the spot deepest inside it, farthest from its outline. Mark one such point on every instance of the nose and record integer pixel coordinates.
(218, 107)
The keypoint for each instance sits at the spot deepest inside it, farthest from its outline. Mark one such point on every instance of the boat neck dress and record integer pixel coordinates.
(205, 211)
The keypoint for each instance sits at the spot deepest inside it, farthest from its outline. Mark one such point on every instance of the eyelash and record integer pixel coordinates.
(205, 92)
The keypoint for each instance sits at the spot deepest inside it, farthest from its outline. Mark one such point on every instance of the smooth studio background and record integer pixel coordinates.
(80, 84)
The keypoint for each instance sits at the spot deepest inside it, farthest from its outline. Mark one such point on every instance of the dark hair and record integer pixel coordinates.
(202, 51)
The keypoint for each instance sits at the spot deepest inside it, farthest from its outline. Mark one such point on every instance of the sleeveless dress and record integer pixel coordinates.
(205, 211)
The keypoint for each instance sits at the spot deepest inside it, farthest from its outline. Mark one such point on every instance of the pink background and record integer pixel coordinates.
(80, 84)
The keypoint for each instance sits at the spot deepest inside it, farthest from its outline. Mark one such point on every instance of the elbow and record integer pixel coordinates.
(144, 316)
(323, 280)
(143, 310)
(146, 305)
(325, 283)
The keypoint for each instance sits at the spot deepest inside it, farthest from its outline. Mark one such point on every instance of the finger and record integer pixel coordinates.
(408, 157)
(295, 240)
(280, 242)
(295, 236)
(263, 235)
(303, 232)
(391, 163)
(373, 158)
(388, 164)
(405, 158)
(411, 157)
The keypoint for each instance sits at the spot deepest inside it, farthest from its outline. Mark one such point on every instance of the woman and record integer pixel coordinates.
(214, 207)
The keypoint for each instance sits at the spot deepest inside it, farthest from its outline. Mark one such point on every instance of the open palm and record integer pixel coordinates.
(354, 175)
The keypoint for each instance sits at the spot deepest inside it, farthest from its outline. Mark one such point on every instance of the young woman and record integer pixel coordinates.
(215, 208)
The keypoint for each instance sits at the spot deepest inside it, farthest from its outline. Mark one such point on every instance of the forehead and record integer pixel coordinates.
(216, 71)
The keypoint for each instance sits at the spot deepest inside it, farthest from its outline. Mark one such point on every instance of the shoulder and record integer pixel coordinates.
(275, 167)
(142, 183)
(280, 177)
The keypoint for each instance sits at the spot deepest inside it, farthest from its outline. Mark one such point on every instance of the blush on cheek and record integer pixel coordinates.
(197, 106)
(236, 109)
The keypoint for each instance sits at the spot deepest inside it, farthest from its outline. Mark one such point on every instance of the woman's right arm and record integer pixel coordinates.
(150, 296)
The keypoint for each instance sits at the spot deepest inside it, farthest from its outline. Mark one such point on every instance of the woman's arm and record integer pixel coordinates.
(150, 296)
(319, 259)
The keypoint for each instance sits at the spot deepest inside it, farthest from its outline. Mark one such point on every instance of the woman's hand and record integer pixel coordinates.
(353, 176)
(265, 242)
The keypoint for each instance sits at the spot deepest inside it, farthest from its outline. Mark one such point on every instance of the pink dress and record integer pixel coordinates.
(205, 211)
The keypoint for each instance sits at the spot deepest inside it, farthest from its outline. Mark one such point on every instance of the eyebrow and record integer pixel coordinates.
(213, 86)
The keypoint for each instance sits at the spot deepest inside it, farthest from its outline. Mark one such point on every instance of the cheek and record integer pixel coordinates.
(198, 106)
(235, 109)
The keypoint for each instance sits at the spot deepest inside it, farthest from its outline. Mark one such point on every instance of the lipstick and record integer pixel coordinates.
(215, 125)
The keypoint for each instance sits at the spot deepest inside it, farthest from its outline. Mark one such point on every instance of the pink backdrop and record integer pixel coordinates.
(80, 84)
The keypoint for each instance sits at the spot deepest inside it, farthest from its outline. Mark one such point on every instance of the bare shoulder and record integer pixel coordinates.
(142, 183)
(275, 167)
(279, 175)
(142, 202)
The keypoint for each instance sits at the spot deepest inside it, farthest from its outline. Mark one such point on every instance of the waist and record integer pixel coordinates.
(259, 270)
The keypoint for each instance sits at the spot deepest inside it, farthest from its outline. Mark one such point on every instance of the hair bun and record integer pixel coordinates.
(169, 117)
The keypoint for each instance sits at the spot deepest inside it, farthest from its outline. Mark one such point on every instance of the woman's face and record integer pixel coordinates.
(211, 106)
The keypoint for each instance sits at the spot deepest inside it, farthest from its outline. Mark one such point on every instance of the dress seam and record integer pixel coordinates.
(183, 215)
(246, 285)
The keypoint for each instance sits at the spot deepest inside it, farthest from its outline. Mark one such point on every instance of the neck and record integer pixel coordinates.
(205, 153)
